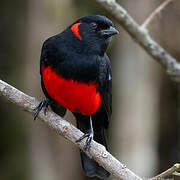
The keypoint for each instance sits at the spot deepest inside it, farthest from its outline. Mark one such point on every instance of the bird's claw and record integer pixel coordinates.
(43, 104)
(88, 140)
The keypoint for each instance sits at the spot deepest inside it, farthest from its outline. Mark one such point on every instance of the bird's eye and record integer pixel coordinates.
(93, 25)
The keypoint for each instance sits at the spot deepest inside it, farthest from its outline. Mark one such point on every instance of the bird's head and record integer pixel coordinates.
(94, 32)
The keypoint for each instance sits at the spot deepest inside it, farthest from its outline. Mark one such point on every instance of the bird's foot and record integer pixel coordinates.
(43, 104)
(89, 139)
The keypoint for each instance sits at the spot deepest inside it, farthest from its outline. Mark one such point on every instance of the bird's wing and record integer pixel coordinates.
(49, 55)
(106, 86)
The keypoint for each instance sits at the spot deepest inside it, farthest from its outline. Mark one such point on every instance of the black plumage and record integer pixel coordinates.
(80, 56)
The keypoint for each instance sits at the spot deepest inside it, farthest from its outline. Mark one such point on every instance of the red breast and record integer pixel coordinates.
(73, 95)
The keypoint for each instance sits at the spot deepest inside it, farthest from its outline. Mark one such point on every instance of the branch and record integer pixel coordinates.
(171, 171)
(68, 131)
(142, 37)
(155, 13)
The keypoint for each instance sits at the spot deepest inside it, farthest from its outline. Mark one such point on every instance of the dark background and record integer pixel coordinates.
(144, 131)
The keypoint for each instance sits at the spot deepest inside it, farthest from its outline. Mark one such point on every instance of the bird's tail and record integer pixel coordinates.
(92, 168)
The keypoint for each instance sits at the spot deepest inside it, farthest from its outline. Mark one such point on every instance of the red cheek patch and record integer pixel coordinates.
(75, 30)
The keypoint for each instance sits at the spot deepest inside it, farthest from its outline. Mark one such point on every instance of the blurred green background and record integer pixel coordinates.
(144, 131)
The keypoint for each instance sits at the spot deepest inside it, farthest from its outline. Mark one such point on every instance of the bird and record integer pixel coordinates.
(76, 76)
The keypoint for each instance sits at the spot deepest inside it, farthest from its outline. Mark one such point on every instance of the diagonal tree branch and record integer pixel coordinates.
(71, 133)
(142, 37)
(156, 12)
(68, 131)
(169, 172)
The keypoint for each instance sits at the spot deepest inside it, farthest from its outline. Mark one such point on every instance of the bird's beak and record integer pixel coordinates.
(109, 32)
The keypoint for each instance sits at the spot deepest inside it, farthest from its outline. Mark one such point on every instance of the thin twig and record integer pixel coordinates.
(171, 171)
(142, 37)
(155, 13)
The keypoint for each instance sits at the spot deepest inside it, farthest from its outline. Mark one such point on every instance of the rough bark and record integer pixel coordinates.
(68, 131)
(142, 37)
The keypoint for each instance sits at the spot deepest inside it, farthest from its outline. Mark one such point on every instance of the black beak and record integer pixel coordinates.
(109, 32)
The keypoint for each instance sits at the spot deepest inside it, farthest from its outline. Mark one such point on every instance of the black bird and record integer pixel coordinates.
(76, 75)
